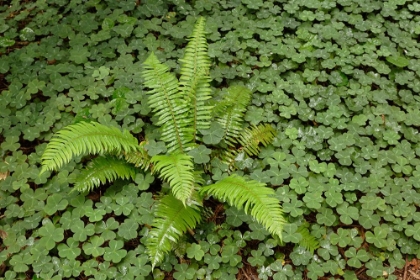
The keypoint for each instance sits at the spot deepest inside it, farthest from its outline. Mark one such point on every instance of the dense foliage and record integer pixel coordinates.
(338, 79)
(184, 117)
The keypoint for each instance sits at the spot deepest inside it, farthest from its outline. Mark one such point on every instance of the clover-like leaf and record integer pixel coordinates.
(93, 247)
(70, 250)
(114, 251)
(94, 214)
(70, 268)
(398, 61)
(300, 256)
(299, 185)
(20, 262)
(257, 258)
(195, 251)
(341, 238)
(356, 257)
(213, 262)
(313, 199)
(413, 231)
(236, 217)
(378, 237)
(128, 229)
(214, 134)
(347, 213)
(79, 54)
(54, 203)
(107, 229)
(200, 154)
(183, 271)
(326, 216)
(50, 235)
(6, 42)
(144, 180)
(123, 205)
(81, 232)
(315, 271)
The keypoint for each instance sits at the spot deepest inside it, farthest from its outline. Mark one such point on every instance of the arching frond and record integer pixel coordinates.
(230, 111)
(178, 170)
(252, 196)
(168, 104)
(139, 158)
(102, 170)
(252, 138)
(172, 220)
(194, 82)
(82, 138)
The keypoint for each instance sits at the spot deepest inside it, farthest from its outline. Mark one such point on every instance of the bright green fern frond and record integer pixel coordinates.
(102, 170)
(178, 170)
(172, 220)
(140, 157)
(82, 138)
(168, 104)
(308, 241)
(230, 111)
(252, 138)
(194, 81)
(252, 196)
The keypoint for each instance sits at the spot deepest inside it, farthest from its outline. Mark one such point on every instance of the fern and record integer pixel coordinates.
(308, 241)
(252, 138)
(178, 170)
(229, 112)
(102, 170)
(172, 221)
(250, 141)
(252, 196)
(140, 157)
(81, 138)
(182, 110)
(194, 81)
(168, 104)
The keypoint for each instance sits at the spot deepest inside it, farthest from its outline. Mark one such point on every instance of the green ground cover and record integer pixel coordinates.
(339, 80)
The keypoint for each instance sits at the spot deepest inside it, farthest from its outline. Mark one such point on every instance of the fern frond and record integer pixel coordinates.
(139, 158)
(230, 111)
(178, 170)
(82, 138)
(172, 220)
(308, 241)
(102, 170)
(252, 196)
(252, 138)
(168, 104)
(194, 81)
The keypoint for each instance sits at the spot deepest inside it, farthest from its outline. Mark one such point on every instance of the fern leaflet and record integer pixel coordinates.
(194, 81)
(252, 196)
(168, 104)
(81, 138)
(140, 157)
(178, 170)
(308, 241)
(229, 112)
(101, 170)
(252, 138)
(172, 220)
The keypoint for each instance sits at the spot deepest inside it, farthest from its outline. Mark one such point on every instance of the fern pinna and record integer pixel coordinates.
(183, 113)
